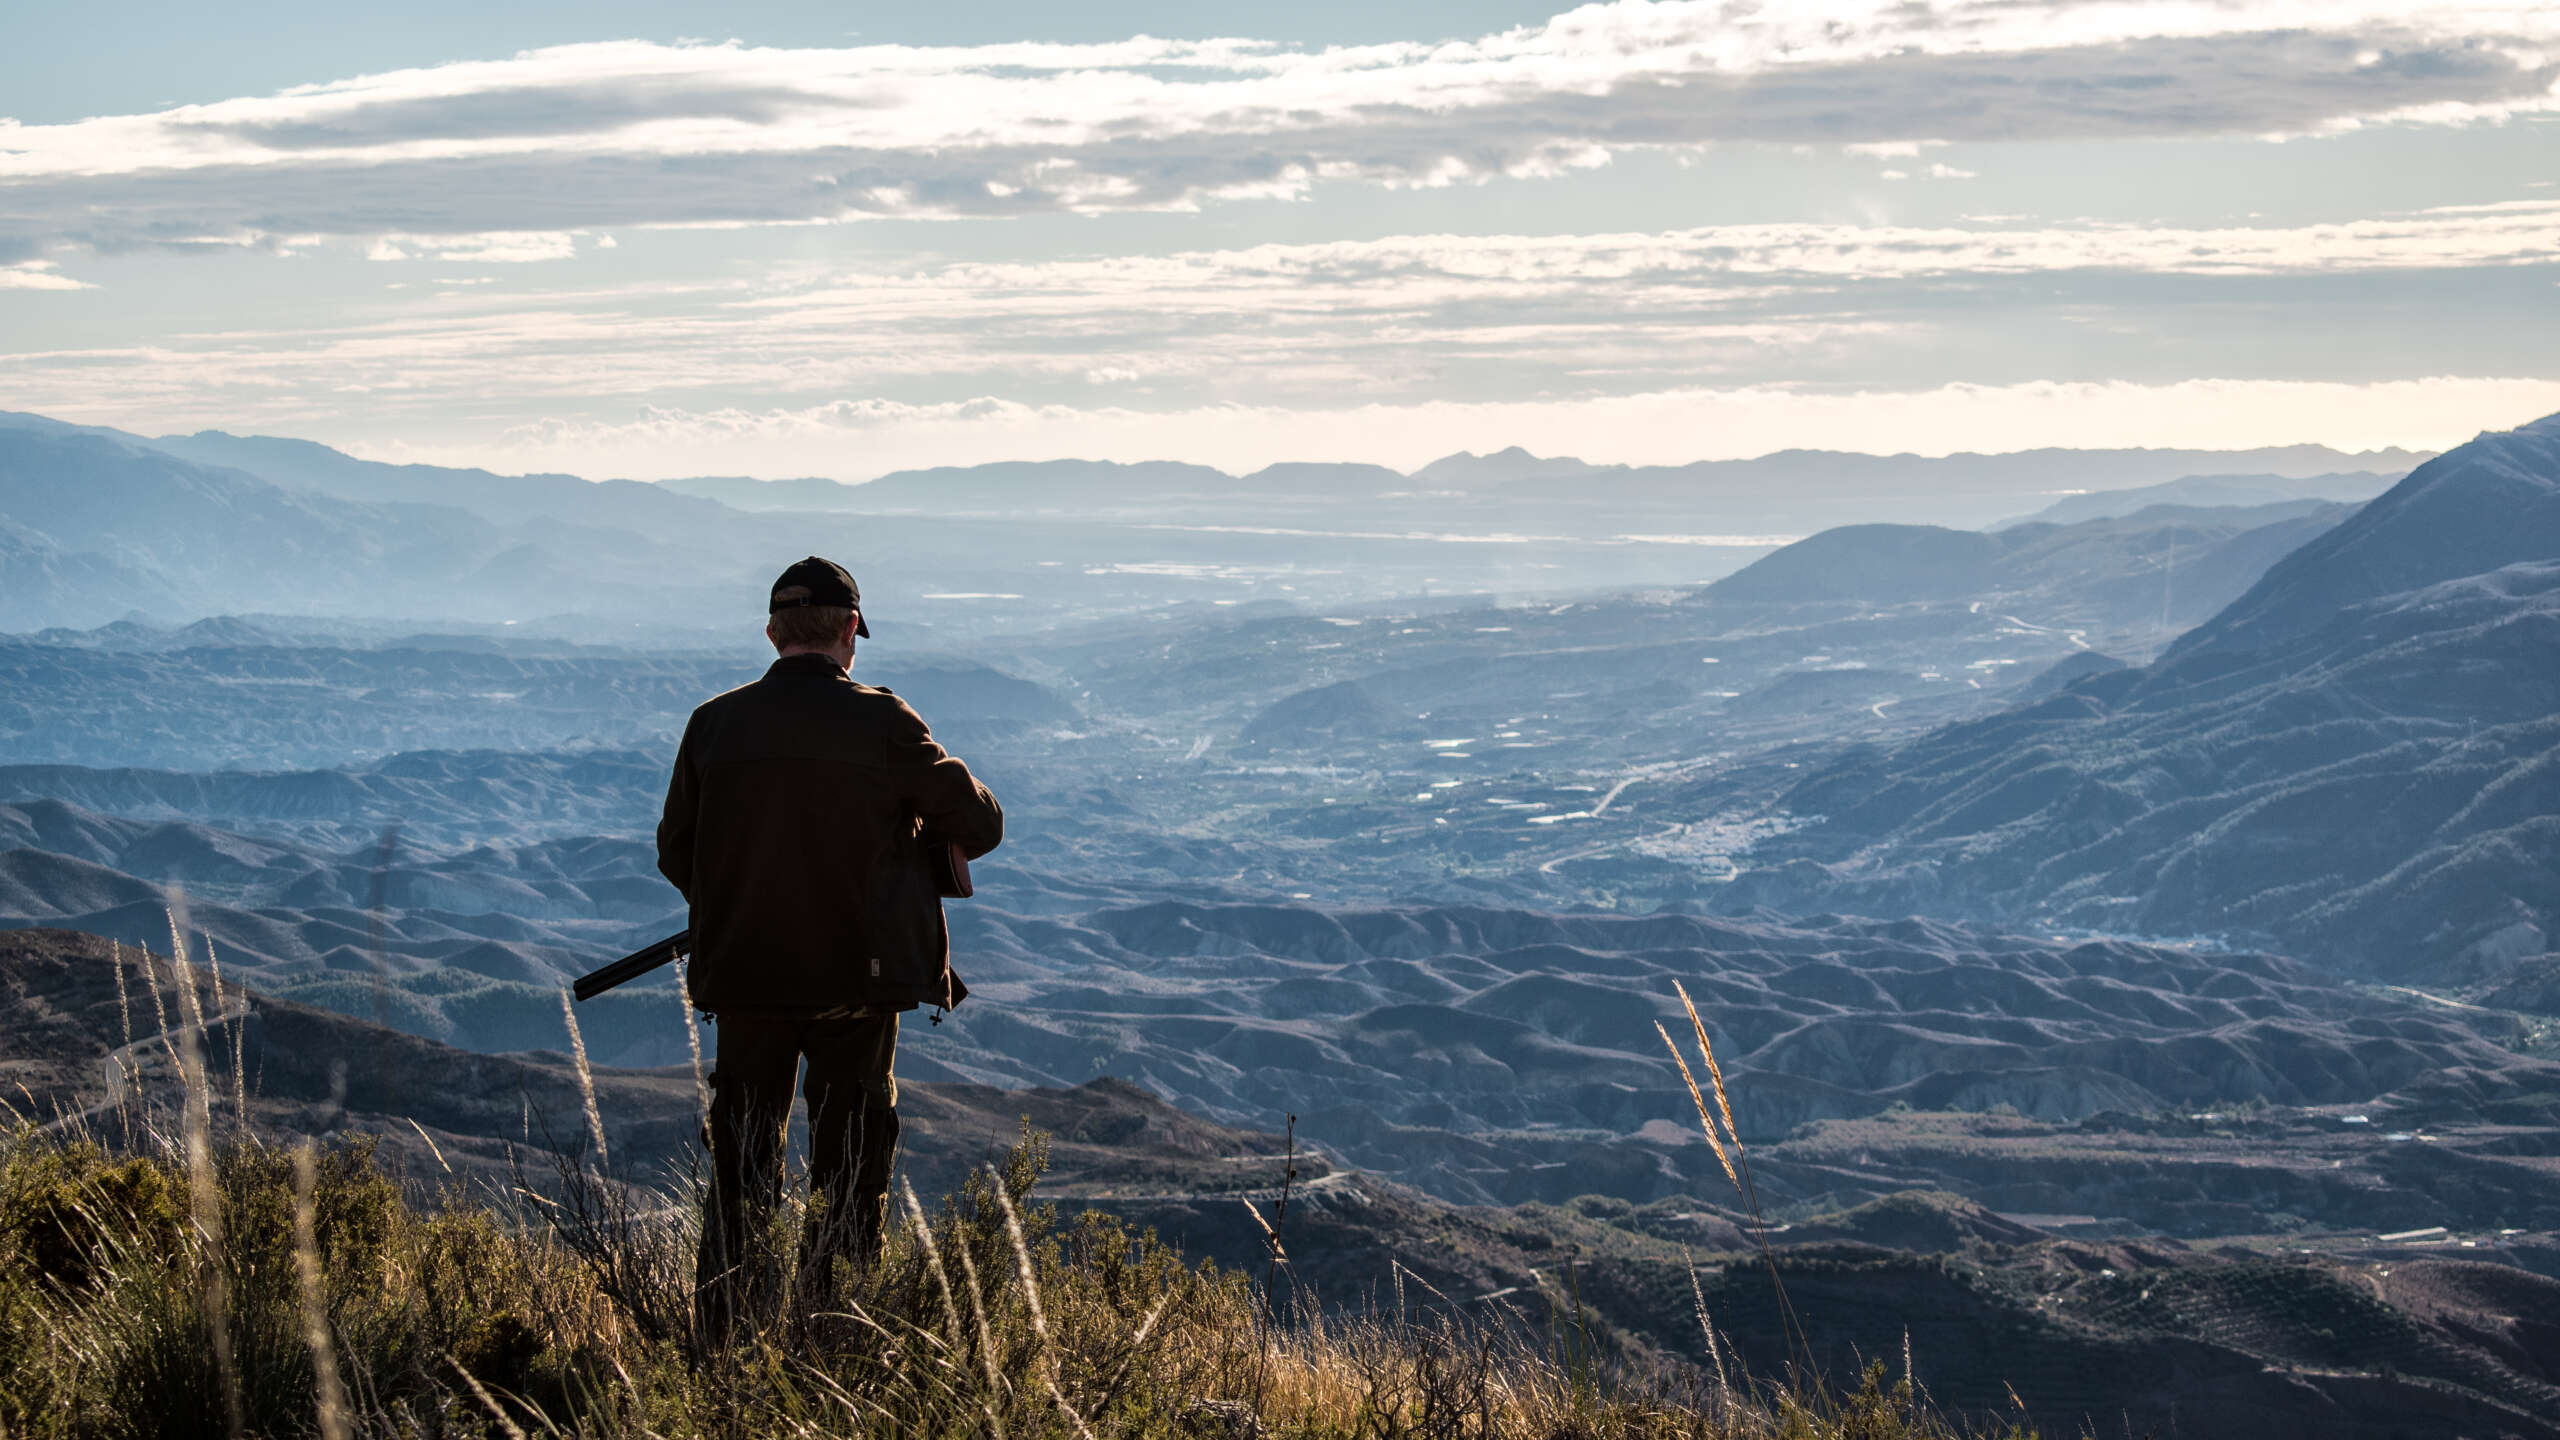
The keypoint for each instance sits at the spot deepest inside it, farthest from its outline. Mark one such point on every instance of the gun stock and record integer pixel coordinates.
(633, 965)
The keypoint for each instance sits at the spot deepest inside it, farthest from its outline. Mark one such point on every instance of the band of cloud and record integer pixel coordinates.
(627, 133)
(1405, 317)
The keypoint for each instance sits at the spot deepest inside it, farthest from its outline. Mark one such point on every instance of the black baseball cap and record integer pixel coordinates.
(817, 581)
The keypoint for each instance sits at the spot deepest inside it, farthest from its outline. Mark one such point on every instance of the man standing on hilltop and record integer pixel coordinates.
(801, 825)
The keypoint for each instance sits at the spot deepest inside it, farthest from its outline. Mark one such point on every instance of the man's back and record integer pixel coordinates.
(796, 825)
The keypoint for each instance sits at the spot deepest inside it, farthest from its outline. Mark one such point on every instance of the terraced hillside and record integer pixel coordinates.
(1483, 1054)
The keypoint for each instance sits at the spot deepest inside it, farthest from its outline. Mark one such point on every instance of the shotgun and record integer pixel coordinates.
(950, 880)
(634, 965)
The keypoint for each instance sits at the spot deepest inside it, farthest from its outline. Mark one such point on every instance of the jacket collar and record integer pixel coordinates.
(805, 665)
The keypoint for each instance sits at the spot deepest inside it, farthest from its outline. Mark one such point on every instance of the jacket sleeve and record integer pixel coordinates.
(676, 823)
(948, 799)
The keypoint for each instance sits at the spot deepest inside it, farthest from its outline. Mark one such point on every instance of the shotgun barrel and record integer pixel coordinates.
(634, 965)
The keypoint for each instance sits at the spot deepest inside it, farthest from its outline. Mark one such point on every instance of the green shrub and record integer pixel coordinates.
(63, 1207)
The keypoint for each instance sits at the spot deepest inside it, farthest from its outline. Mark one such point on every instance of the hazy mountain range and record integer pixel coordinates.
(1953, 487)
(2033, 879)
(98, 523)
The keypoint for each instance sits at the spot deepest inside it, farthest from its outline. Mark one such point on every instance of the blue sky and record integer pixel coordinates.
(830, 239)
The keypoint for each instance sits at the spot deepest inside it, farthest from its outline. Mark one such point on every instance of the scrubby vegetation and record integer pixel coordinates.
(262, 1289)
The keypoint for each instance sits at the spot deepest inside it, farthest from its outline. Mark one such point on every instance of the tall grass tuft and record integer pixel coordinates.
(482, 1317)
(347, 1306)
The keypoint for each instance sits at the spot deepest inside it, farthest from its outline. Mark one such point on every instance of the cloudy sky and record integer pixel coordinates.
(840, 239)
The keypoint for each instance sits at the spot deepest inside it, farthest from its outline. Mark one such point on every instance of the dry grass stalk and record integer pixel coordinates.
(1270, 1237)
(124, 1076)
(159, 1003)
(1147, 1326)
(586, 1080)
(213, 969)
(1700, 1101)
(329, 1390)
(124, 996)
(1715, 1072)
(986, 1337)
(1797, 1343)
(693, 1041)
(239, 1049)
(1069, 1411)
(488, 1402)
(933, 1262)
(1715, 1352)
(1280, 1212)
(204, 1197)
(1021, 1256)
(432, 1147)
(1031, 1301)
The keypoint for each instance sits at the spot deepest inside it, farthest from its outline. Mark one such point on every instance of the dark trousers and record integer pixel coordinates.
(853, 1140)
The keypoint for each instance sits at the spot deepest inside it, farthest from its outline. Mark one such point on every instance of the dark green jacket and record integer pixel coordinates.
(795, 827)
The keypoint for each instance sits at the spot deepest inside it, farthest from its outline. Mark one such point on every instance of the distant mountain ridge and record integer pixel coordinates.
(2289, 473)
(102, 524)
(2354, 760)
(2167, 565)
(97, 523)
(1003, 481)
(2493, 502)
(309, 466)
(2217, 491)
